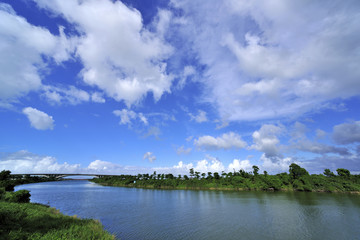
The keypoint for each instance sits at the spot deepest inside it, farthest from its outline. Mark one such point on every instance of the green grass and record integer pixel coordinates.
(34, 221)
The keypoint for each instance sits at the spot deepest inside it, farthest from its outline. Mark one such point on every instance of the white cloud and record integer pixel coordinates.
(23, 49)
(236, 165)
(38, 119)
(97, 97)
(200, 117)
(70, 95)
(26, 162)
(149, 156)
(188, 139)
(320, 133)
(126, 116)
(266, 140)
(347, 133)
(226, 141)
(153, 131)
(183, 150)
(124, 59)
(275, 164)
(273, 59)
(188, 71)
(99, 165)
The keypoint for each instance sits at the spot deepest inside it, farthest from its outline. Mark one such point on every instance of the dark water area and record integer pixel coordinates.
(132, 213)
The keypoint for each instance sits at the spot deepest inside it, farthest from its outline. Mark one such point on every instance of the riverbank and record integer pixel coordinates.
(298, 179)
(34, 221)
(20, 219)
(289, 189)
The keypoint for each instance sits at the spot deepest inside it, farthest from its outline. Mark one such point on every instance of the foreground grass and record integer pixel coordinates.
(34, 221)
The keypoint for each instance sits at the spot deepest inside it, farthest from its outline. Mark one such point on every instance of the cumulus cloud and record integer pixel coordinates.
(274, 59)
(226, 141)
(149, 156)
(275, 164)
(266, 140)
(124, 59)
(200, 117)
(24, 48)
(38, 119)
(126, 116)
(26, 162)
(347, 133)
(237, 164)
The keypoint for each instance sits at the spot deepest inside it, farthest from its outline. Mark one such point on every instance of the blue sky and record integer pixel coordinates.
(140, 86)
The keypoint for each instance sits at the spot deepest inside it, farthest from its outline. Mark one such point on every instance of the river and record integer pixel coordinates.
(132, 213)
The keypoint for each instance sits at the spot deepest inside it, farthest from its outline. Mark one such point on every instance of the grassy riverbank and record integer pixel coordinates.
(298, 179)
(33, 221)
(20, 219)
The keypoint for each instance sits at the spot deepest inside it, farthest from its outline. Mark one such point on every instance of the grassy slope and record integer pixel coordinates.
(34, 221)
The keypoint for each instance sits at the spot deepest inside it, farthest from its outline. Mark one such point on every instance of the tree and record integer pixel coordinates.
(296, 171)
(328, 173)
(342, 172)
(216, 175)
(255, 170)
(4, 175)
(191, 172)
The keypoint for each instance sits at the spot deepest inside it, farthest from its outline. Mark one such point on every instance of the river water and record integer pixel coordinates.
(132, 213)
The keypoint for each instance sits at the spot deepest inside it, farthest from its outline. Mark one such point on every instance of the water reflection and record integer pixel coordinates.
(179, 214)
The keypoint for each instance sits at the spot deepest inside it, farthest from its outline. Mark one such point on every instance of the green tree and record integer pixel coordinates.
(342, 172)
(328, 173)
(296, 171)
(4, 175)
(255, 170)
(191, 172)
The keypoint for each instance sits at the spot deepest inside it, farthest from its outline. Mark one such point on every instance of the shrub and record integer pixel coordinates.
(21, 196)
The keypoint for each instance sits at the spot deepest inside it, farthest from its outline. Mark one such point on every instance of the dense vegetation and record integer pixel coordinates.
(298, 179)
(20, 219)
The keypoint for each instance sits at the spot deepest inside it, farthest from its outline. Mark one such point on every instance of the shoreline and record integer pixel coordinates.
(224, 189)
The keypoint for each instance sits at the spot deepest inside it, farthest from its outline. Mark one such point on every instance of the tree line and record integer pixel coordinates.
(297, 179)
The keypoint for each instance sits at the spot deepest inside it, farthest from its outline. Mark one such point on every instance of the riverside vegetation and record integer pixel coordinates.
(298, 179)
(20, 219)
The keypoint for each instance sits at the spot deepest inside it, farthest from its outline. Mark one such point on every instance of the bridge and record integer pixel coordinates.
(57, 175)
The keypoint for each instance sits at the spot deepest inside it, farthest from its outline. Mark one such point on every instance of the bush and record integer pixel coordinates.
(2, 193)
(21, 196)
(8, 185)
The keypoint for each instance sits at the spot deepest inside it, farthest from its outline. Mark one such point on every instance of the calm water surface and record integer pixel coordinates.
(132, 213)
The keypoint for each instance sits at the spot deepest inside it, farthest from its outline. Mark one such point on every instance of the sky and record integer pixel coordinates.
(128, 87)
